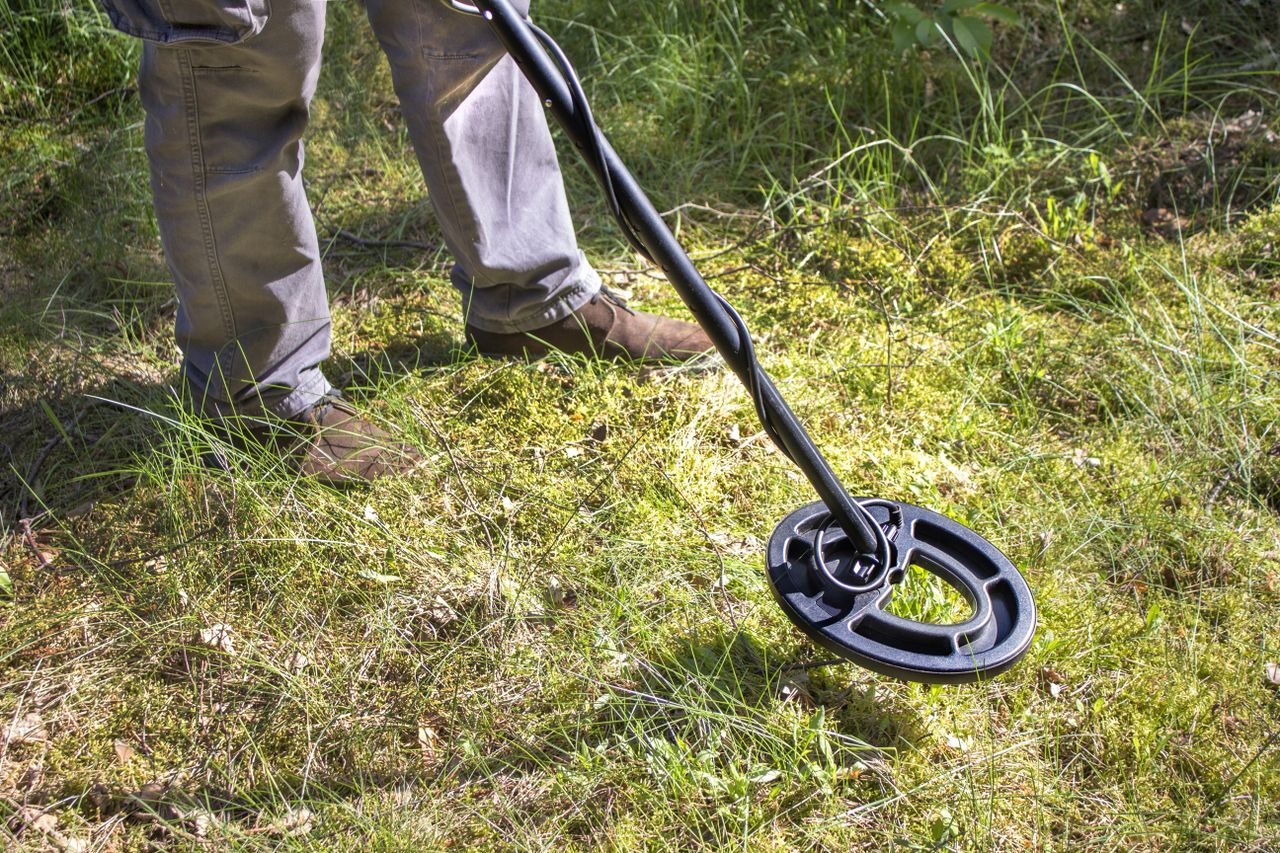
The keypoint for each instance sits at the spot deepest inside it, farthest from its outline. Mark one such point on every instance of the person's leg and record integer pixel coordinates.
(223, 136)
(490, 165)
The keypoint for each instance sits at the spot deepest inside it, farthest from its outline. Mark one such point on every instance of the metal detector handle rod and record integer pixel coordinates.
(523, 46)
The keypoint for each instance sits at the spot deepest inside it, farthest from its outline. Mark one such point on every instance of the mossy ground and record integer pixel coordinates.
(559, 635)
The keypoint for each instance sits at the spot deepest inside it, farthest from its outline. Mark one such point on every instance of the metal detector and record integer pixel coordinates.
(832, 565)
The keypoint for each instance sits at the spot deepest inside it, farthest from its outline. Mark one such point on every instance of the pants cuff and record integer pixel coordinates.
(572, 295)
(283, 403)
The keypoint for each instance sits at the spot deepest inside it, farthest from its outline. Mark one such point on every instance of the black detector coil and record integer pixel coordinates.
(838, 595)
(832, 565)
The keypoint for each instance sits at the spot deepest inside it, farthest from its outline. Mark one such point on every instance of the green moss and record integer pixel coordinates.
(945, 266)
(1025, 256)
(1252, 250)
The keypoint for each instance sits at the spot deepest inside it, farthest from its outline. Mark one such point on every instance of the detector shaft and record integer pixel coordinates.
(522, 44)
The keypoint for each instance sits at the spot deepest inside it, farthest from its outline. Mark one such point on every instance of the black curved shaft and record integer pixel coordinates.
(520, 41)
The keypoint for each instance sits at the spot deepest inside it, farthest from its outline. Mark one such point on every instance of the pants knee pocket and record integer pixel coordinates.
(244, 127)
(189, 23)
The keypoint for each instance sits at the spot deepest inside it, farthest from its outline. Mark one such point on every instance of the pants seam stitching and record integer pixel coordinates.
(201, 191)
(443, 163)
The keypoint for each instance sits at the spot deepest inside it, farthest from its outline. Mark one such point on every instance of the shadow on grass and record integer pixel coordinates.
(728, 686)
(735, 674)
(64, 448)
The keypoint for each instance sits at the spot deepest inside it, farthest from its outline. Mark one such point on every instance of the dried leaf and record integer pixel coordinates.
(293, 823)
(124, 750)
(29, 728)
(31, 778)
(212, 714)
(428, 742)
(441, 614)
(199, 821)
(794, 688)
(746, 547)
(70, 845)
(1082, 459)
(44, 823)
(297, 662)
(1273, 673)
(217, 638)
(558, 595)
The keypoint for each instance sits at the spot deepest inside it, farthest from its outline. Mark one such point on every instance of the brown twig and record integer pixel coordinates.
(342, 233)
(29, 538)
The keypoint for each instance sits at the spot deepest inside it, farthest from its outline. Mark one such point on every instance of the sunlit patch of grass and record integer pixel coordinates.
(925, 597)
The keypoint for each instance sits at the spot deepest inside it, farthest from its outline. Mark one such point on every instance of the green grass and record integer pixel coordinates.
(559, 636)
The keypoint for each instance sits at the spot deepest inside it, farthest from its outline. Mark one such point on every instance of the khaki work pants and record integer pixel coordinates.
(227, 85)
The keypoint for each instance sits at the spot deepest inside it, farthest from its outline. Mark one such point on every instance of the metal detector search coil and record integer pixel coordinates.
(837, 596)
(832, 565)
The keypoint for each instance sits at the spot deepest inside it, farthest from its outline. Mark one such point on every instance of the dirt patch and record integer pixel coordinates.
(1207, 172)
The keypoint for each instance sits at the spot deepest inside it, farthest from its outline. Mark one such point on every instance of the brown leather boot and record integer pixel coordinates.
(329, 442)
(605, 328)
(345, 449)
